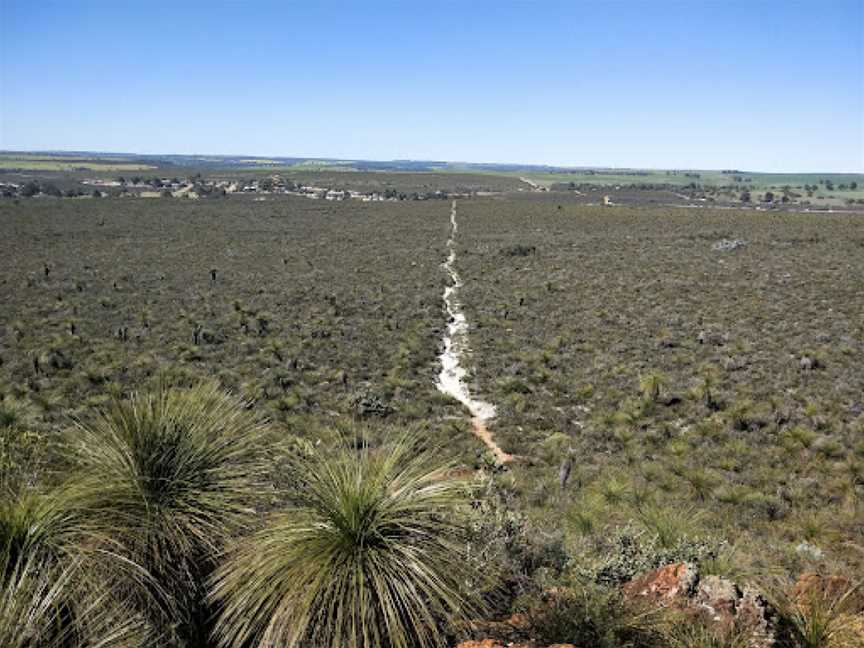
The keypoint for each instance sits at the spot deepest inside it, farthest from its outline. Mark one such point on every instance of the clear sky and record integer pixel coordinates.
(756, 85)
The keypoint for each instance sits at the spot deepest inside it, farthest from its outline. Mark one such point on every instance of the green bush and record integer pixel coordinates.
(171, 476)
(630, 552)
(594, 616)
(374, 553)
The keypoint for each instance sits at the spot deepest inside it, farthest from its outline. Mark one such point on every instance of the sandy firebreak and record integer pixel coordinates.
(451, 380)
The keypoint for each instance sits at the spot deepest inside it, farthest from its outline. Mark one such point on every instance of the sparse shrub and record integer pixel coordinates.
(367, 405)
(629, 552)
(685, 633)
(590, 615)
(519, 250)
(769, 507)
(23, 453)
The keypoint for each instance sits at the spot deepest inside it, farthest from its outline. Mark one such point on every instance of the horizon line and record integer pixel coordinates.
(421, 160)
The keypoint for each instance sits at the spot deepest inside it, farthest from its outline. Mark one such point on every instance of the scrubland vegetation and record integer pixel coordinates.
(702, 389)
(219, 422)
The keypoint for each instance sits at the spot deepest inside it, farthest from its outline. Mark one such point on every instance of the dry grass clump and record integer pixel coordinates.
(832, 617)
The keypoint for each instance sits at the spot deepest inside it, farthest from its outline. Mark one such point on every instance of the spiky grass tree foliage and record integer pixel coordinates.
(51, 593)
(373, 556)
(35, 596)
(651, 385)
(172, 475)
(820, 619)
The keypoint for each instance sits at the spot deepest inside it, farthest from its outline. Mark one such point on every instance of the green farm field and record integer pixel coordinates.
(686, 177)
(36, 162)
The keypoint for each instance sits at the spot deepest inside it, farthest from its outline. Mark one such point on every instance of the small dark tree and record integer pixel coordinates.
(50, 190)
(745, 196)
(30, 189)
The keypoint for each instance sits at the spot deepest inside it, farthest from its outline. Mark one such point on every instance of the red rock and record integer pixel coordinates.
(669, 585)
(713, 601)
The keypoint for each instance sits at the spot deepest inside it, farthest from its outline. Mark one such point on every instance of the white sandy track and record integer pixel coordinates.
(534, 185)
(451, 380)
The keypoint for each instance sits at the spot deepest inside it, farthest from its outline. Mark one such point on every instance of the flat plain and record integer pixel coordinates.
(672, 384)
(703, 362)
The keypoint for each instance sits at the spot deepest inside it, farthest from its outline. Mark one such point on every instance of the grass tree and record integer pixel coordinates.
(171, 475)
(651, 385)
(821, 618)
(52, 593)
(373, 554)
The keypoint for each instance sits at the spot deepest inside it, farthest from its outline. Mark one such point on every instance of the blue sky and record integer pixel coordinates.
(756, 85)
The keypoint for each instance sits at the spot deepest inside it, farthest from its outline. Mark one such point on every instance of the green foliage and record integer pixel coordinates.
(22, 454)
(686, 634)
(652, 384)
(518, 553)
(821, 619)
(594, 616)
(373, 554)
(629, 552)
(171, 476)
(53, 591)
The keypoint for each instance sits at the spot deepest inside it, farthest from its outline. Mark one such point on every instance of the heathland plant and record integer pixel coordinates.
(820, 619)
(171, 475)
(373, 554)
(590, 615)
(53, 587)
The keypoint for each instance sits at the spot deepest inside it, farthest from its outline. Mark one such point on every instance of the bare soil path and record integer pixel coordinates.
(534, 186)
(451, 380)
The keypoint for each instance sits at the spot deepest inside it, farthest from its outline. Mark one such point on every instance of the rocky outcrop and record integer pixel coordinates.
(493, 643)
(665, 586)
(717, 602)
